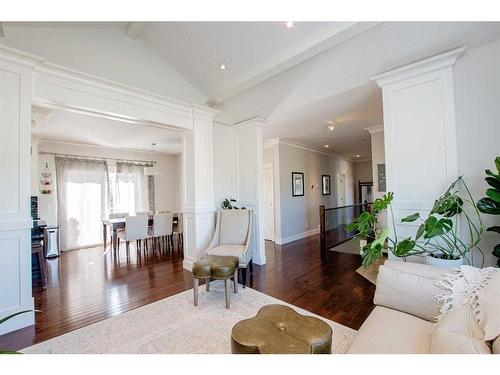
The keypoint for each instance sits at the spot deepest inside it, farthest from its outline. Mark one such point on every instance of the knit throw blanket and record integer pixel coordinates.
(461, 286)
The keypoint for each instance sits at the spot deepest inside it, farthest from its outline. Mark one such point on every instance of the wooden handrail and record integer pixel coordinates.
(350, 205)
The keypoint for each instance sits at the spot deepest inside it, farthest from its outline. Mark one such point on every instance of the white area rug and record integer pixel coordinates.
(174, 325)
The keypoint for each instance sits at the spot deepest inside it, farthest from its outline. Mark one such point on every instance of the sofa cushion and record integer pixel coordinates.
(388, 331)
(458, 332)
(233, 227)
(228, 250)
(409, 287)
(488, 300)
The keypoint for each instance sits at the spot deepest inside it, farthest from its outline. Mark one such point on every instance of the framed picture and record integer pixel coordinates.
(325, 184)
(381, 177)
(297, 184)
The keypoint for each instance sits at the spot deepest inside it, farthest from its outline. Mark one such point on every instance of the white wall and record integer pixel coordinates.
(362, 173)
(166, 184)
(477, 109)
(106, 53)
(300, 215)
(224, 163)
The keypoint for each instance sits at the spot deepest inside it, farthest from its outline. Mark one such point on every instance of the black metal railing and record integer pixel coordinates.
(333, 221)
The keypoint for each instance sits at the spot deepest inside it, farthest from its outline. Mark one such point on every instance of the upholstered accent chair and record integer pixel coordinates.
(233, 232)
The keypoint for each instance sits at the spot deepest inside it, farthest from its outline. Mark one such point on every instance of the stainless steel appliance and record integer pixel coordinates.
(51, 241)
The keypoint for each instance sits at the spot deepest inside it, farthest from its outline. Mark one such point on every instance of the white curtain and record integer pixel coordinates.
(132, 189)
(82, 198)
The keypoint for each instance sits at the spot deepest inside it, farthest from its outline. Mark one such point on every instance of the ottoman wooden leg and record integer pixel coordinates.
(207, 284)
(195, 288)
(235, 281)
(226, 290)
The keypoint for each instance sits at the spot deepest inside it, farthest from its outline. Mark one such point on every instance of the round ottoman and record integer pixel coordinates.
(278, 329)
(217, 268)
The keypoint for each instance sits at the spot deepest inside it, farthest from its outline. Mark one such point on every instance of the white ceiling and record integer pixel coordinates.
(251, 51)
(353, 111)
(63, 126)
(296, 78)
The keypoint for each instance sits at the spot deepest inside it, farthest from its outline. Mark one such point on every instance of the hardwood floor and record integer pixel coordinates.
(86, 286)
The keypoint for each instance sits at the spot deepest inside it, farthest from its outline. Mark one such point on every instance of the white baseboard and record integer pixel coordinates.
(187, 265)
(298, 236)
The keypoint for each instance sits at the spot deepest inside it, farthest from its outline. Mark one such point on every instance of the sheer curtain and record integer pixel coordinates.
(82, 198)
(132, 188)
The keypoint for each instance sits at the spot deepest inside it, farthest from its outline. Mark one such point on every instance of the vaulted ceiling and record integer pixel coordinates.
(298, 78)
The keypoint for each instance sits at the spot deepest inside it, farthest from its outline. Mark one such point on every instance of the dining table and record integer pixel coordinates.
(118, 223)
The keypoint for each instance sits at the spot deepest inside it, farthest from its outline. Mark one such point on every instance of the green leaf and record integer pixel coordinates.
(381, 204)
(488, 206)
(497, 163)
(404, 247)
(449, 204)
(435, 227)
(371, 254)
(493, 194)
(490, 173)
(420, 231)
(494, 229)
(410, 218)
(493, 182)
(496, 251)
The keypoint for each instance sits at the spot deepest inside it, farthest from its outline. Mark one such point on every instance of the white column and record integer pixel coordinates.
(15, 166)
(249, 149)
(419, 134)
(197, 184)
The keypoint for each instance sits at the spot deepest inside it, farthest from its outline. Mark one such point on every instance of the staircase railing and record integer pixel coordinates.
(332, 223)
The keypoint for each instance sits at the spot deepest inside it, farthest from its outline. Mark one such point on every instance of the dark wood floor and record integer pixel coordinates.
(85, 286)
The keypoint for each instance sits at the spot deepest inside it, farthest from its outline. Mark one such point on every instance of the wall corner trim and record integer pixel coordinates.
(375, 129)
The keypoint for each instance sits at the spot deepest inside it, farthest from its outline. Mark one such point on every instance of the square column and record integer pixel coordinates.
(198, 185)
(249, 149)
(15, 218)
(419, 134)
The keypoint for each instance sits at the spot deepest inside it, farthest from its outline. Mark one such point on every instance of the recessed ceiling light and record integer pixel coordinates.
(289, 24)
(331, 125)
(326, 146)
(357, 156)
(222, 67)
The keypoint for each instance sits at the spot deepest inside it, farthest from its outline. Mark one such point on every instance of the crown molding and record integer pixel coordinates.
(256, 121)
(308, 148)
(432, 64)
(204, 110)
(19, 57)
(375, 129)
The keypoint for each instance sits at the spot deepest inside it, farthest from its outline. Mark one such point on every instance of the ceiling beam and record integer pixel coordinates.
(134, 29)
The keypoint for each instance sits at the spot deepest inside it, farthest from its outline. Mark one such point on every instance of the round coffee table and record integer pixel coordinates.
(279, 329)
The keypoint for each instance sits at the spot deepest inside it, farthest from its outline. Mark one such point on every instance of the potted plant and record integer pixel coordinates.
(491, 204)
(227, 204)
(437, 236)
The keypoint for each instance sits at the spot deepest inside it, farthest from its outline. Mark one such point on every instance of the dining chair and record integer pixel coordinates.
(136, 229)
(178, 230)
(161, 232)
(118, 215)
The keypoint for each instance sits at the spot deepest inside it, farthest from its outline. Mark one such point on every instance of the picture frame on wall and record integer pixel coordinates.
(297, 184)
(326, 185)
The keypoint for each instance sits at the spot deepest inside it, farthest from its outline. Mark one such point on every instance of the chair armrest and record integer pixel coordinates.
(410, 288)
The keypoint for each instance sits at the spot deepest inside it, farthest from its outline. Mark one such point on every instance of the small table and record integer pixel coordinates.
(119, 223)
(217, 268)
(279, 329)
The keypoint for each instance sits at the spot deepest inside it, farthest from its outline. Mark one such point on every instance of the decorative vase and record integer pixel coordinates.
(444, 263)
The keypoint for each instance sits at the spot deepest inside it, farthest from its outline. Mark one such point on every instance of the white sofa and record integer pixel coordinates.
(403, 320)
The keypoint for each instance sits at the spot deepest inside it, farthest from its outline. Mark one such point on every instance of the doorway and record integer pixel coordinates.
(268, 178)
(365, 190)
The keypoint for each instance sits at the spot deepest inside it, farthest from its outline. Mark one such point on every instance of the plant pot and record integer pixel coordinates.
(443, 263)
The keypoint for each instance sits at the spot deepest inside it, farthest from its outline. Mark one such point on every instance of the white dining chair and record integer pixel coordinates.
(118, 215)
(136, 229)
(161, 232)
(178, 230)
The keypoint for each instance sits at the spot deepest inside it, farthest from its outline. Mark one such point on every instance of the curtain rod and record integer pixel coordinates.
(96, 158)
